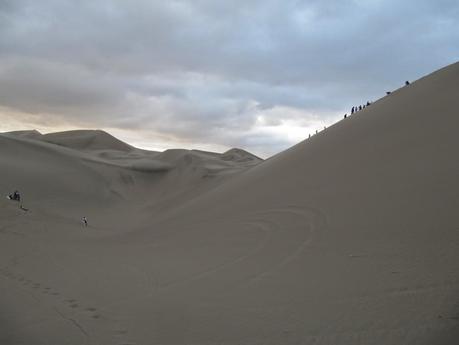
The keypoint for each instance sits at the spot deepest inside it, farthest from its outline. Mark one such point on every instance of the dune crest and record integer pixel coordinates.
(87, 140)
(27, 134)
(240, 155)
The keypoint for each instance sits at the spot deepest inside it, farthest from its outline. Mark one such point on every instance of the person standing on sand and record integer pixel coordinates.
(15, 196)
(85, 221)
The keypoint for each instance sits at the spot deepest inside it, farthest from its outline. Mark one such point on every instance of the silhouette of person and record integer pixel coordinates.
(387, 92)
(85, 221)
(360, 107)
(407, 83)
(16, 196)
(345, 115)
(368, 103)
(352, 110)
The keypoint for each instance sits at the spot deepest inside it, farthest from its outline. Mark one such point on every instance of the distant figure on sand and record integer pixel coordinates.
(352, 110)
(368, 103)
(15, 196)
(85, 221)
(345, 115)
(407, 83)
(387, 92)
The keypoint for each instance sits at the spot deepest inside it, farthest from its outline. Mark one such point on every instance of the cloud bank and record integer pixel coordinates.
(260, 75)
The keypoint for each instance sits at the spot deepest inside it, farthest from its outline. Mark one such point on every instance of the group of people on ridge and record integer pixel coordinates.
(360, 107)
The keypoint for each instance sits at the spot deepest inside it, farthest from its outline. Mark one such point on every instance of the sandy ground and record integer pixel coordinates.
(350, 237)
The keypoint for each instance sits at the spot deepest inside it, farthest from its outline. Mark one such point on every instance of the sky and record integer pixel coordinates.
(207, 74)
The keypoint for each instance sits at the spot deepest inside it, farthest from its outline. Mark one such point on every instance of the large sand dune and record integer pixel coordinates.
(350, 237)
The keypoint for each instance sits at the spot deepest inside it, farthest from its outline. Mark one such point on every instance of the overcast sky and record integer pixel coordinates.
(209, 74)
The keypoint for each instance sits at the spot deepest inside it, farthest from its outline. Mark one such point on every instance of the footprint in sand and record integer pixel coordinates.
(93, 310)
(123, 332)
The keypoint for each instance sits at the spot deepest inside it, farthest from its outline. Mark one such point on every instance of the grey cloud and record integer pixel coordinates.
(41, 86)
(196, 70)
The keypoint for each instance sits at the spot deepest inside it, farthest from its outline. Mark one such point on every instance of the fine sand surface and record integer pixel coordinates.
(350, 237)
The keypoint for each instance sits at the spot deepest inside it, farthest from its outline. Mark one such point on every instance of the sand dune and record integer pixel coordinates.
(87, 140)
(350, 237)
(93, 166)
(239, 155)
(28, 134)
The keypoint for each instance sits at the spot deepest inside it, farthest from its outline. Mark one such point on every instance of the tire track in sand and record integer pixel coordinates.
(304, 221)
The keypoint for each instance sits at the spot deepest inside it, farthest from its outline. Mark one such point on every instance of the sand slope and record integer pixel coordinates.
(91, 171)
(350, 237)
